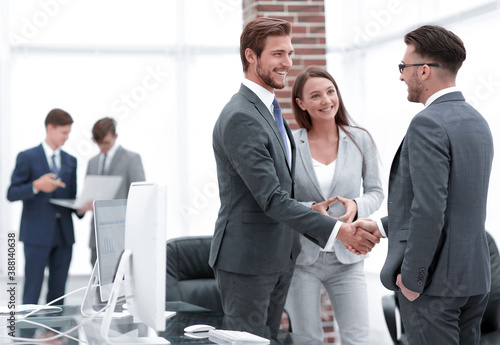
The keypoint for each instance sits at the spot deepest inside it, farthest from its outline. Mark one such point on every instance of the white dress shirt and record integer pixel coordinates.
(109, 157)
(48, 154)
(267, 98)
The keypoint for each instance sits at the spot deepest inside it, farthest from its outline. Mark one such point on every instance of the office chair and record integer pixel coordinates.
(189, 277)
(490, 324)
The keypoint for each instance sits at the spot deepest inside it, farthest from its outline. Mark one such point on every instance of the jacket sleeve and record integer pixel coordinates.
(21, 186)
(373, 194)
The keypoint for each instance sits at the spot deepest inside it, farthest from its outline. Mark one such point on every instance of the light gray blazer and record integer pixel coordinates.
(350, 173)
(125, 163)
(438, 189)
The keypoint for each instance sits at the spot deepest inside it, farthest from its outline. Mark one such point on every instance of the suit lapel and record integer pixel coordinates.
(306, 161)
(341, 159)
(274, 126)
(116, 158)
(292, 143)
(266, 114)
(395, 162)
(43, 158)
(64, 165)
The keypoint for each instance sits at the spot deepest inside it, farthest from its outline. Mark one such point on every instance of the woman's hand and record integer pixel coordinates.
(322, 207)
(351, 209)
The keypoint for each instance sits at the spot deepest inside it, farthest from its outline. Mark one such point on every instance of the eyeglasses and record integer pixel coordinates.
(402, 66)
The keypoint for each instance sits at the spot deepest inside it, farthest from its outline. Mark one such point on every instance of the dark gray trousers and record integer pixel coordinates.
(432, 320)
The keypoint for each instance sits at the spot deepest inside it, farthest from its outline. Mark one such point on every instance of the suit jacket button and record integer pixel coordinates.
(419, 283)
(422, 270)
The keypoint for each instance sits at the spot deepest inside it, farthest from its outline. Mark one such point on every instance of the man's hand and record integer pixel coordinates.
(360, 241)
(322, 207)
(410, 295)
(368, 225)
(89, 206)
(351, 208)
(364, 225)
(48, 183)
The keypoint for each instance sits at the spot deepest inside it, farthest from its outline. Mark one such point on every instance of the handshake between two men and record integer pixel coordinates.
(359, 236)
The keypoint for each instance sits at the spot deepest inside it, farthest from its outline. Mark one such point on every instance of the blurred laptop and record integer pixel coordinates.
(96, 187)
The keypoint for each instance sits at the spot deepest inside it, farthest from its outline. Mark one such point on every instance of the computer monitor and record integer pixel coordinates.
(145, 237)
(142, 265)
(109, 224)
(109, 220)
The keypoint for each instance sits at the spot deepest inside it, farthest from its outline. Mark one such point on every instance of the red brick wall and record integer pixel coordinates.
(308, 37)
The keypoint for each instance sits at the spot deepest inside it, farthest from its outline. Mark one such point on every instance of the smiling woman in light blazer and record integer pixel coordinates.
(334, 159)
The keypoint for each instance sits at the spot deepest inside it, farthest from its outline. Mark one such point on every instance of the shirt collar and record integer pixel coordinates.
(439, 94)
(111, 153)
(264, 95)
(48, 150)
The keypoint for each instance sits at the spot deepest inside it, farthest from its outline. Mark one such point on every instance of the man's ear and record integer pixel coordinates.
(426, 73)
(250, 56)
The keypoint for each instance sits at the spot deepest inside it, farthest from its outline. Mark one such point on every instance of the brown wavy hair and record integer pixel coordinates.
(255, 34)
(438, 45)
(58, 117)
(342, 118)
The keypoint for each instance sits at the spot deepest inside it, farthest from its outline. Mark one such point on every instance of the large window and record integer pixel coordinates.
(165, 68)
(162, 69)
(365, 49)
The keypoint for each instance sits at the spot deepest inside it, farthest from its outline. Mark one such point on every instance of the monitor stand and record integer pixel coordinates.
(89, 300)
(123, 267)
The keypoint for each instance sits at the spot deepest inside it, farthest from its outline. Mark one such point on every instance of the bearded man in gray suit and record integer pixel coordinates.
(438, 258)
(254, 246)
(113, 160)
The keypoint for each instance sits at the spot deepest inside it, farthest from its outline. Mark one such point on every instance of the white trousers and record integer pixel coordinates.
(346, 287)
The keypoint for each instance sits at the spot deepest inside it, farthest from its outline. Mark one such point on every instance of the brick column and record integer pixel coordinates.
(308, 37)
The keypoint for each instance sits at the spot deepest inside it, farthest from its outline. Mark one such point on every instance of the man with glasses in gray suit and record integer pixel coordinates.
(438, 259)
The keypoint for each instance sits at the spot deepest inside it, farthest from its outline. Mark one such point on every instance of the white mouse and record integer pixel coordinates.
(198, 328)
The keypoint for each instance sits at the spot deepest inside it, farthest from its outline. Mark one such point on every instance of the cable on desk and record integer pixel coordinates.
(20, 340)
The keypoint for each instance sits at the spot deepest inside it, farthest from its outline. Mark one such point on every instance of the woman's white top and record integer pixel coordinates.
(324, 174)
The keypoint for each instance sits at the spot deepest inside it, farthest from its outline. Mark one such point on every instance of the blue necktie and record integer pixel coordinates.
(54, 166)
(279, 121)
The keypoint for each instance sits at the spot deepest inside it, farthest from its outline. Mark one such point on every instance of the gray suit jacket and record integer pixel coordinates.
(125, 163)
(350, 171)
(437, 202)
(253, 232)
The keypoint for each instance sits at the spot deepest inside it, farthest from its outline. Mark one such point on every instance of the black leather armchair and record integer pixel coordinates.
(189, 277)
(490, 325)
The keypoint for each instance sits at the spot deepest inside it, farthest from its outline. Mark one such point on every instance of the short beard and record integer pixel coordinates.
(415, 89)
(267, 78)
